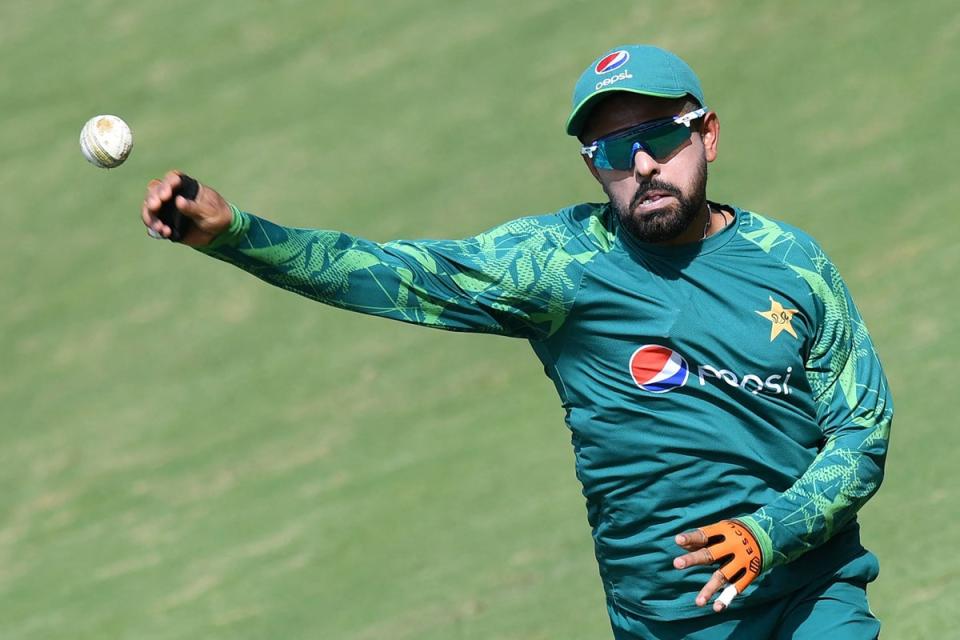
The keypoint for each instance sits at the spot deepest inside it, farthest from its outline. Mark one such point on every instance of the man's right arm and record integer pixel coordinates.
(518, 279)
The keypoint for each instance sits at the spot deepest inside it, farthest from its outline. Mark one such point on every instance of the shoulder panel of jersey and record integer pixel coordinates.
(529, 268)
(557, 248)
(800, 253)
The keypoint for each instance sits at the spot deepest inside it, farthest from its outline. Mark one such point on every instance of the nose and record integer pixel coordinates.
(644, 165)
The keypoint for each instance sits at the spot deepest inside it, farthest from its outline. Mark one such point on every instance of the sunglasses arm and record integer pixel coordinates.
(588, 151)
(687, 118)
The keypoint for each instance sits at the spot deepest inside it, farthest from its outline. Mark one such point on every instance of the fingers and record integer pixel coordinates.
(698, 557)
(714, 584)
(725, 598)
(172, 177)
(730, 542)
(189, 206)
(695, 542)
(691, 540)
(155, 227)
(159, 192)
(718, 580)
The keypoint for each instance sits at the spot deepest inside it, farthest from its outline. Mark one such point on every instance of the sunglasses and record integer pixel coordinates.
(660, 138)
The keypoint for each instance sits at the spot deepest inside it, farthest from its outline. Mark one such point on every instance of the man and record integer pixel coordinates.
(721, 388)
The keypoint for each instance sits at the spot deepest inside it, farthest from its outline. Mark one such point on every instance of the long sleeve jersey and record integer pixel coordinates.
(728, 378)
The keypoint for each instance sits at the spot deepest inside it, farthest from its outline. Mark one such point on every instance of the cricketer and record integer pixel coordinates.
(728, 412)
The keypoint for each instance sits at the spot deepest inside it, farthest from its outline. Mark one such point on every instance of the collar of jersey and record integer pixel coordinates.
(685, 251)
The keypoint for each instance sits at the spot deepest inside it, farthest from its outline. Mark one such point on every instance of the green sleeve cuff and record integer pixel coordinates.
(763, 539)
(231, 237)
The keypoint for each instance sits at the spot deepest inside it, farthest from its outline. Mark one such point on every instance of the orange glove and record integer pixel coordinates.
(730, 539)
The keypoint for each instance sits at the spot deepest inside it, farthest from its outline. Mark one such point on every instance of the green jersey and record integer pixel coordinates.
(728, 378)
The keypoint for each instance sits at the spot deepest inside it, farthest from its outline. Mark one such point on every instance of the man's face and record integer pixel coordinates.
(656, 200)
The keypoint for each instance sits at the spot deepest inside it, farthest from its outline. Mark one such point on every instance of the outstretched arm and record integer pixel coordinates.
(518, 279)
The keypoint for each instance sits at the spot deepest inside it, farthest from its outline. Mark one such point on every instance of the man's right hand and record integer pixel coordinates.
(209, 212)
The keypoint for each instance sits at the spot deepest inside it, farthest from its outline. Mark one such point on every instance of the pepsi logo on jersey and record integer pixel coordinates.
(659, 369)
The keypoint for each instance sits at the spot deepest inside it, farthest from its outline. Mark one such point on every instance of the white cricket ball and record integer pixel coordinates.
(106, 141)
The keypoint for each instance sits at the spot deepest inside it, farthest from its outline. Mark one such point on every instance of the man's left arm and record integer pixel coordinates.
(854, 410)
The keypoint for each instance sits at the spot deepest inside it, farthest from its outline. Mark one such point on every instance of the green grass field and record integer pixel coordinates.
(187, 453)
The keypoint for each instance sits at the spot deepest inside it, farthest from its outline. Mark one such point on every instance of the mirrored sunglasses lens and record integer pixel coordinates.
(619, 153)
(666, 140)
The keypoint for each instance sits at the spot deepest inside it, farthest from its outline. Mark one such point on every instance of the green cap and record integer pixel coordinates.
(637, 68)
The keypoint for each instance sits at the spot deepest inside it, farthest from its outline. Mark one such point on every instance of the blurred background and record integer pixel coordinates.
(188, 453)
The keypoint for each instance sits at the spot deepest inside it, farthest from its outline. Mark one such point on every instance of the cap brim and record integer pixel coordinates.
(582, 110)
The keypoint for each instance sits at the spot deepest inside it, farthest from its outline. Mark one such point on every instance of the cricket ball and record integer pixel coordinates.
(106, 141)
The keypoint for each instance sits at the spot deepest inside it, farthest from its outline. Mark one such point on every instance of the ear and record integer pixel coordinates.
(710, 134)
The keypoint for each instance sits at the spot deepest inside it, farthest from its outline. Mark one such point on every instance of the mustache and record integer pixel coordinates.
(654, 185)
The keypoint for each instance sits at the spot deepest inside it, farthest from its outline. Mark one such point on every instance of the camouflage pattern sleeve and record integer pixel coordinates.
(518, 279)
(854, 410)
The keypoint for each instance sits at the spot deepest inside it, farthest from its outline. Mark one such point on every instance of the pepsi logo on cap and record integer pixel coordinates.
(612, 62)
(658, 369)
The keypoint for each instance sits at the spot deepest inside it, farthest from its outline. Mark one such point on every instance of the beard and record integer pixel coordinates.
(669, 221)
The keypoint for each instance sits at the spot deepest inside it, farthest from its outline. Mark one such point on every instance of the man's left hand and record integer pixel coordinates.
(727, 542)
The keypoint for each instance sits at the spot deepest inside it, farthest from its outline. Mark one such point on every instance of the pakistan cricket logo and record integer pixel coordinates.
(780, 319)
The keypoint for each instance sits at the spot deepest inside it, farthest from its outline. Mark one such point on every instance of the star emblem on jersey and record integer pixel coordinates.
(780, 319)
